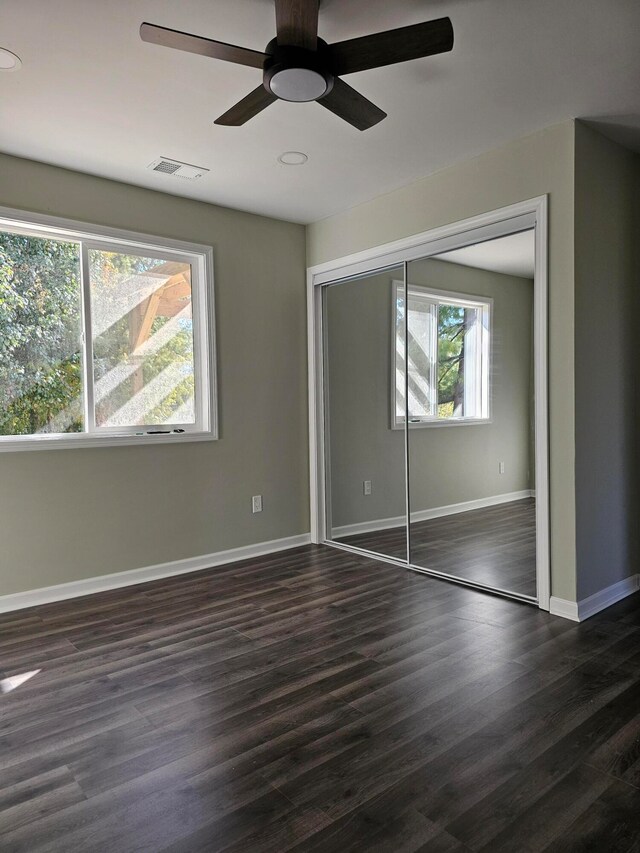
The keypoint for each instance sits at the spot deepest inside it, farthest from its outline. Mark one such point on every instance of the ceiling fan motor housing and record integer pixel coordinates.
(296, 74)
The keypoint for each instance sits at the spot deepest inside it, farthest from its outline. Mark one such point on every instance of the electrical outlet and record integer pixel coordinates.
(366, 487)
(256, 503)
(501, 467)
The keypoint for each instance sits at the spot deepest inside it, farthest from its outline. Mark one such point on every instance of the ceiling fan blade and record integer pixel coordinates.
(297, 23)
(205, 47)
(247, 108)
(352, 106)
(392, 46)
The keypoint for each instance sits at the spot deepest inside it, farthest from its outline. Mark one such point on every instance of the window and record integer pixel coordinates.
(448, 357)
(104, 338)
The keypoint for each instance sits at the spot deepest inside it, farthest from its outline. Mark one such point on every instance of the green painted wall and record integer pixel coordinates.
(72, 514)
(607, 229)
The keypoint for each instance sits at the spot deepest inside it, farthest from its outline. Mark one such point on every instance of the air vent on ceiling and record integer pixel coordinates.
(177, 169)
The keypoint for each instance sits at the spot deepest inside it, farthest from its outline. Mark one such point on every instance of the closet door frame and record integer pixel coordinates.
(522, 216)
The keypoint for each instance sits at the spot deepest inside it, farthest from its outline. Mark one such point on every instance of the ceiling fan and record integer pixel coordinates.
(299, 66)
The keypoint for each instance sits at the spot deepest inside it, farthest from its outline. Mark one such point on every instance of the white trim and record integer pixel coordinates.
(445, 422)
(317, 482)
(581, 610)
(497, 223)
(608, 596)
(38, 222)
(61, 441)
(73, 589)
(432, 242)
(564, 608)
(434, 512)
(541, 403)
(200, 258)
(88, 389)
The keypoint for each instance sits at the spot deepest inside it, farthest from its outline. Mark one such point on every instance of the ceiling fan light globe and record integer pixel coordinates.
(298, 84)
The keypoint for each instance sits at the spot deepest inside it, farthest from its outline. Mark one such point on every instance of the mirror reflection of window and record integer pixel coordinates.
(447, 357)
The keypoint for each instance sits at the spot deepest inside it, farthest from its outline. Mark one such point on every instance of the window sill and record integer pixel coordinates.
(70, 441)
(445, 422)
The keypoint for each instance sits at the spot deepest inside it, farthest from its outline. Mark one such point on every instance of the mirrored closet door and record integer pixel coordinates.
(471, 428)
(429, 415)
(364, 456)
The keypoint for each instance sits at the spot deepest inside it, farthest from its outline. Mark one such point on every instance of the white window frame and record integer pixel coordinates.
(200, 258)
(479, 388)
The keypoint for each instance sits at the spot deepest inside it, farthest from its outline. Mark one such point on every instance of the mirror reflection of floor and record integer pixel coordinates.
(494, 546)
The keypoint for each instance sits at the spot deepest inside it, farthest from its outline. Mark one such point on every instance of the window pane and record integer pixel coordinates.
(40, 336)
(457, 359)
(142, 329)
(420, 328)
(399, 354)
(451, 354)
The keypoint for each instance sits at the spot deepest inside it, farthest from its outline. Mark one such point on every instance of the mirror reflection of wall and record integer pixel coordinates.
(366, 494)
(471, 441)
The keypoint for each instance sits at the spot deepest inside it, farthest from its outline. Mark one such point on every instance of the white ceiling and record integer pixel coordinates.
(512, 255)
(92, 96)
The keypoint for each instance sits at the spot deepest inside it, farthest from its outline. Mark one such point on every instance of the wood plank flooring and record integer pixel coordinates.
(314, 700)
(495, 546)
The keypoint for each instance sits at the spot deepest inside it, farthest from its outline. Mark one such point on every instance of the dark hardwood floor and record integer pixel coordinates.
(315, 700)
(495, 546)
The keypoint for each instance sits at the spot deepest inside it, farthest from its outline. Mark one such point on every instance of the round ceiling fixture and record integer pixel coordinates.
(298, 84)
(293, 158)
(9, 61)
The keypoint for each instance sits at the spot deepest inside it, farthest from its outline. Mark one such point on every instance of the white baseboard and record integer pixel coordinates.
(367, 526)
(426, 514)
(606, 597)
(563, 607)
(586, 607)
(73, 589)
